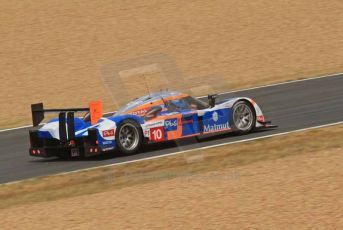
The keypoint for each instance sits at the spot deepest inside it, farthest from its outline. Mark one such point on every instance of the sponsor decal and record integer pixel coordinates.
(215, 121)
(140, 112)
(108, 133)
(170, 124)
(215, 116)
(185, 122)
(147, 133)
(154, 124)
(108, 148)
(216, 127)
(107, 142)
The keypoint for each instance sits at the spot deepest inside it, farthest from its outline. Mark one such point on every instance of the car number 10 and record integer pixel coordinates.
(157, 134)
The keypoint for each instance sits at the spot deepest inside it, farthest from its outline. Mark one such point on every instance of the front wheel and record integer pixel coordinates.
(243, 117)
(129, 137)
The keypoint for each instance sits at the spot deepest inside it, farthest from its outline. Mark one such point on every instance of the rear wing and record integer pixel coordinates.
(38, 111)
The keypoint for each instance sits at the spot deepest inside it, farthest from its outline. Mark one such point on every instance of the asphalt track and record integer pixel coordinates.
(291, 106)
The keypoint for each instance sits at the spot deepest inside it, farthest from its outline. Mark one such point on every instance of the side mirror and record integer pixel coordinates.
(212, 99)
(152, 112)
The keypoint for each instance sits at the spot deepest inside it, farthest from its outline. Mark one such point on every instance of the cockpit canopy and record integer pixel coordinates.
(168, 100)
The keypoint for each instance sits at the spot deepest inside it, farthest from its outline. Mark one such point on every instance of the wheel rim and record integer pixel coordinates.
(128, 136)
(243, 117)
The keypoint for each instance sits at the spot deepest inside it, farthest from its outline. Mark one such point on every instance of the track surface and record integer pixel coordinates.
(292, 106)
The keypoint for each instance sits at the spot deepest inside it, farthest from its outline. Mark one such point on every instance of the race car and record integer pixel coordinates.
(156, 117)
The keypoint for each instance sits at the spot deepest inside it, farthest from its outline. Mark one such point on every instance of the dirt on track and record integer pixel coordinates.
(55, 51)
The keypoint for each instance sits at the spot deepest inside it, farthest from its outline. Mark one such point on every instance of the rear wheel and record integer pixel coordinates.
(129, 137)
(243, 117)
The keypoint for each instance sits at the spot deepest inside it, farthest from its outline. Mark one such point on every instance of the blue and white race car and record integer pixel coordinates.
(157, 117)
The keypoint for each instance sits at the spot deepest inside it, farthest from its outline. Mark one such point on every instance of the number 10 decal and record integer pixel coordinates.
(157, 134)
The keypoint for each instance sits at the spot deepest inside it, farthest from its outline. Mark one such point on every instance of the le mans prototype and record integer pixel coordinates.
(156, 117)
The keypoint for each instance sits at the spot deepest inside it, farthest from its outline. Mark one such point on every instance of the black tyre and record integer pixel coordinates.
(129, 137)
(243, 117)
